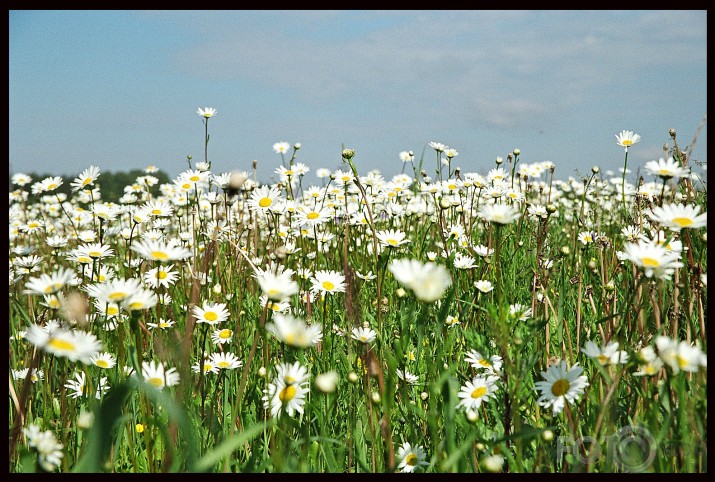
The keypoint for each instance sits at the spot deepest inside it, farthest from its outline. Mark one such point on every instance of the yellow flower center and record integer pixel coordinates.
(650, 262)
(207, 367)
(112, 310)
(161, 274)
(683, 222)
(102, 363)
(117, 296)
(84, 260)
(195, 178)
(602, 359)
(156, 212)
(161, 255)
(156, 382)
(210, 316)
(328, 285)
(136, 305)
(287, 394)
(560, 387)
(485, 363)
(94, 254)
(265, 202)
(225, 334)
(223, 364)
(61, 344)
(479, 392)
(682, 362)
(289, 172)
(51, 186)
(392, 242)
(312, 215)
(86, 181)
(411, 459)
(627, 142)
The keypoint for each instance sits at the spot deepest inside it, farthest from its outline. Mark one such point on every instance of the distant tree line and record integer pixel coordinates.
(111, 184)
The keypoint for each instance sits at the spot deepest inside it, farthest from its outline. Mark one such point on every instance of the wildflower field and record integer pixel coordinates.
(443, 320)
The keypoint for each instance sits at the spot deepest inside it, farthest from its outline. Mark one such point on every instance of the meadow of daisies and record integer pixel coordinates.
(495, 319)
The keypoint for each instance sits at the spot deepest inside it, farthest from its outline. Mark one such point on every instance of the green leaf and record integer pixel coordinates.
(227, 446)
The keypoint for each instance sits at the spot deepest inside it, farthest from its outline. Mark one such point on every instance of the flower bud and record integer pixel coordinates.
(547, 435)
(400, 292)
(595, 169)
(375, 397)
(472, 416)
(424, 395)
(262, 372)
(297, 146)
(565, 250)
(493, 463)
(672, 133)
(499, 160)
(327, 382)
(348, 153)
(551, 208)
(353, 377)
(517, 152)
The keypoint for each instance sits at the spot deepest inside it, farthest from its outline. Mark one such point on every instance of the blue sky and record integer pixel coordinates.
(120, 89)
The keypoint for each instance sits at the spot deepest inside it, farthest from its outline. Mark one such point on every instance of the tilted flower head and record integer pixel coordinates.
(499, 213)
(156, 375)
(653, 259)
(161, 251)
(391, 238)
(679, 216)
(86, 178)
(206, 112)
(428, 280)
(364, 335)
(49, 284)
(626, 139)
(294, 331)
(281, 147)
(481, 388)
(680, 355)
(666, 169)
(327, 281)
(287, 391)
(226, 361)
(211, 313)
(411, 457)
(478, 361)
(605, 355)
(561, 385)
(72, 344)
(484, 286)
(277, 286)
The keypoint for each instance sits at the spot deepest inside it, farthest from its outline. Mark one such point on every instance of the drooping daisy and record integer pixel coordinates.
(294, 331)
(48, 184)
(463, 261)
(226, 361)
(86, 178)
(364, 335)
(277, 286)
(411, 457)
(679, 216)
(480, 389)
(156, 375)
(220, 337)
(561, 385)
(626, 139)
(428, 280)
(407, 377)
(211, 313)
(327, 281)
(606, 354)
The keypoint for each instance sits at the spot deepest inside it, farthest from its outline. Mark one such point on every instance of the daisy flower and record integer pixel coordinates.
(407, 377)
(327, 382)
(288, 390)
(411, 457)
(666, 169)
(276, 286)
(141, 300)
(327, 281)
(407, 156)
(679, 216)
(263, 198)
(156, 375)
(207, 367)
(481, 388)
(49, 284)
(226, 361)
(281, 147)
(103, 360)
(79, 388)
(36, 375)
(115, 291)
(206, 112)
(49, 450)
(48, 184)
(428, 280)
(500, 214)
(391, 238)
(161, 251)
(86, 178)
(160, 276)
(364, 335)
(72, 344)
(294, 331)
(462, 261)
(162, 324)
(680, 355)
(211, 313)
(312, 216)
(560, 385)
(653, 259)
(626, 139)
(220, 337)
(609, 354)
(483, 285)
(492, 364)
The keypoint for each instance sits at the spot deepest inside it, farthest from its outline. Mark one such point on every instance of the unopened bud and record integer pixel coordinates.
(547, 435)
(672, 133)
(353, 377)
(517, 152)
(348, 153)
(375, 397)
(595, 169)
